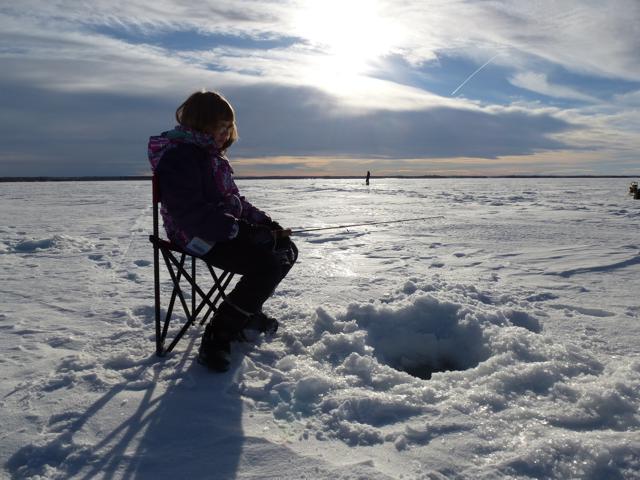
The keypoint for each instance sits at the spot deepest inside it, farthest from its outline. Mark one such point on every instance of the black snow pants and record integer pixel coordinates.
(262, 269)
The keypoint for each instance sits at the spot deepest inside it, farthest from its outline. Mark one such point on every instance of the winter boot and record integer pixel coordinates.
(215, 349)
(230, 320)
(263, 323)
(225, 327)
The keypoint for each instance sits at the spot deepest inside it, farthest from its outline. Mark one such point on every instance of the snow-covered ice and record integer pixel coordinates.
(499, 340)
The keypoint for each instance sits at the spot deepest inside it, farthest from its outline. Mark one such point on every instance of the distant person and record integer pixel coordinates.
(204, 213)
(368, 177)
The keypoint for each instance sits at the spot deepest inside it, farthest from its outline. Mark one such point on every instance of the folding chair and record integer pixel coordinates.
(201, 303)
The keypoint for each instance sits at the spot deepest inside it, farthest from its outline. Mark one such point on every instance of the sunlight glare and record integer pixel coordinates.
(347, 36)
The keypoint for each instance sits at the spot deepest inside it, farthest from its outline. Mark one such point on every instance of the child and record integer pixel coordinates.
(204, 213)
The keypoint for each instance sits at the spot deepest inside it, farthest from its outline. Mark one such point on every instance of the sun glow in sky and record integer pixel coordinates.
(349, 35)
(347, 39)
(366, 83)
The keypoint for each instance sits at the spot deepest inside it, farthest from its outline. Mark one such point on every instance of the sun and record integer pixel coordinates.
(346, 38)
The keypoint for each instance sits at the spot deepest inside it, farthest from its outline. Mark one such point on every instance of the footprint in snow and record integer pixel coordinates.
(99, 259)
(134, 277)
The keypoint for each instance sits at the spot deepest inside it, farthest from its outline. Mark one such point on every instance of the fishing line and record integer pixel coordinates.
(304, 230)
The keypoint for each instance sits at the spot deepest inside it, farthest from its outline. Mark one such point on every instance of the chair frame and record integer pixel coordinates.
(174, 259)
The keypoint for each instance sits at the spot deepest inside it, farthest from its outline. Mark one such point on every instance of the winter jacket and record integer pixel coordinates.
(198, 194)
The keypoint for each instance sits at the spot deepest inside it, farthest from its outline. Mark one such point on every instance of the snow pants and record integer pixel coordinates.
(262, 269)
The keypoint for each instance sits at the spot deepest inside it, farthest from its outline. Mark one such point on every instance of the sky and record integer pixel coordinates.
(327, 87)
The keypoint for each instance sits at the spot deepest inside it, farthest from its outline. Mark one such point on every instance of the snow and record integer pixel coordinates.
(500, 340)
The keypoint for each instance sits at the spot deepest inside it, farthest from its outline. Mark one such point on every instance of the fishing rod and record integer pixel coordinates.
(305, 230)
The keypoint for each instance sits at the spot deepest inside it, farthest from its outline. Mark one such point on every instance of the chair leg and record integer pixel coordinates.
(221, 284)
(178, 271)
(169, 259)
(193, 290)
(156, 288)
(174, 292)
(169, 256)
(191, 315)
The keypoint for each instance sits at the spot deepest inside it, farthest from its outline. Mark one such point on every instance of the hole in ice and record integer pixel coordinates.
(26, 246)
(424, 337)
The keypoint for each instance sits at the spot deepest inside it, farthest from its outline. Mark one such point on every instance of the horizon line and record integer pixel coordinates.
(44, 178)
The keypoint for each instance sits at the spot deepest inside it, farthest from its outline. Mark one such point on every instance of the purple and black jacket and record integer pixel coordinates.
(199, 196)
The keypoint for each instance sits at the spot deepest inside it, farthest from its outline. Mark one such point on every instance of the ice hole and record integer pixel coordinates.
(421, 354)
(424, 337)
(427, 369)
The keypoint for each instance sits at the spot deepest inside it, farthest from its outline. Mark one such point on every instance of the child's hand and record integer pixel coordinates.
(279, 231)
(283, 233)
(257, 234)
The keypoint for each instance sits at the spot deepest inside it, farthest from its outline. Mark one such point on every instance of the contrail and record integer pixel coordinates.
(474, 73)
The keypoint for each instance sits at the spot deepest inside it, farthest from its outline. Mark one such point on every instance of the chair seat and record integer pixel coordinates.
(169, 245)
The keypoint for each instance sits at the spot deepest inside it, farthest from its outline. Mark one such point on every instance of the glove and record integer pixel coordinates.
(275, 225)
(256, 234)
(279, 230)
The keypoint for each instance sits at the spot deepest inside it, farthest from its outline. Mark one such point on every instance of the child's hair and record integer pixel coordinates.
(202, 111)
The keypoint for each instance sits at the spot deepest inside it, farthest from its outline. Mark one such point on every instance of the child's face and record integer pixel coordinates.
(222, 132)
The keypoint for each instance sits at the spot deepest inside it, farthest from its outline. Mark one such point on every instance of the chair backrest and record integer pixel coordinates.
(155, 189)
(155, 196)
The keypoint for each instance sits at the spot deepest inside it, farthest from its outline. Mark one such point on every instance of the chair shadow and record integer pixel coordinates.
(190, 430)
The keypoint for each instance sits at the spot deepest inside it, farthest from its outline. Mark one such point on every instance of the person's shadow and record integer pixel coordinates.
(192, 429)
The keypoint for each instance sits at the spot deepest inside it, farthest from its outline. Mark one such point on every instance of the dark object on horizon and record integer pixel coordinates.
(368, 176)
(634, 191)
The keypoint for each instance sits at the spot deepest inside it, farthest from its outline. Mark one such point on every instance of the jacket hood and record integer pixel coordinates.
(159, 144)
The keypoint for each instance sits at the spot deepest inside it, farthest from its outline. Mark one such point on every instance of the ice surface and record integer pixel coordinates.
(499, 341)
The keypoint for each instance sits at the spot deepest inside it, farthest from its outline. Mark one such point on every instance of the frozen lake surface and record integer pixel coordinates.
(500, 340)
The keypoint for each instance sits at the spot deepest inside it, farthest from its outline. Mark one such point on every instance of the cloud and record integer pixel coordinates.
(596, 38)
(599, 38)
(557, 162)
(239, 16)
(106, 134)
(538, 82)
(93, 77)
(629, 99)
(302, 121)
